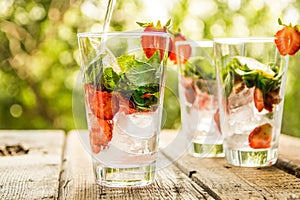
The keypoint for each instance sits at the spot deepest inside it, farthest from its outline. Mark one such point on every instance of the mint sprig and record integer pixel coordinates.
(138, 79)
(235, 71)
(200, 68)
(109, 79)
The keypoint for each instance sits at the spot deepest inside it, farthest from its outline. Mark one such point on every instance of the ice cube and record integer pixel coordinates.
(121, 141)
(135, 133)
(243, 113)
(242, 119)
(139, 125)
(237, 141)
(244, 97)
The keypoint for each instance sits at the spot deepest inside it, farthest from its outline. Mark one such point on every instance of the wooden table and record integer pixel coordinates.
(49, 164)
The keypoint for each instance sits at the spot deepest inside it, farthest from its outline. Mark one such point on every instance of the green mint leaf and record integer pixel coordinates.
(200, 68)
(229, 73)
(109, 79)
(146, 96)
(93, 72)
(126, 61)
(228, 82)
(155, 59)
(190, 71)
(144, 73)
(250, 78)
(141, 74)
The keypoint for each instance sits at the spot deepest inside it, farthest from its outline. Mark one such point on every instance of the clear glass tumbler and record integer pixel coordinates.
(124, 77)
(251, 78)
(198, 97)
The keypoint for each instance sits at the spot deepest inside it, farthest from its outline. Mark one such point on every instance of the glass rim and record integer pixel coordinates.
(122, 34)
(238, 40)
(197, 43)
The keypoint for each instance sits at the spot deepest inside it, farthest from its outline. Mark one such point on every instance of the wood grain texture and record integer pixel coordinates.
(289, 154)
(226, 181)
(34, 175)
(77, 180)
(223, 181)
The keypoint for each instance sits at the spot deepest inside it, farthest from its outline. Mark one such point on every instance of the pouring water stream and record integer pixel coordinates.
(100, 46)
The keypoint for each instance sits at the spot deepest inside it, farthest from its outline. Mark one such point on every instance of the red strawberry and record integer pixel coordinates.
(189, 90)
(272, 98)
(102, 103)
(186, 49)
(261, 137)
(217, 119)
(146, 95)
(150, 43)
(288, 39)
(258, 99)
(126, 105)
(101, 134)
(190, 94)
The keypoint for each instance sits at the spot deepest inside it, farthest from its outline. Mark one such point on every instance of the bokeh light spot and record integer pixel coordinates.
(16, 110)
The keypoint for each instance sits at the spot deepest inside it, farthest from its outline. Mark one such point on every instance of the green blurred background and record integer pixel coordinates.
(39, 55)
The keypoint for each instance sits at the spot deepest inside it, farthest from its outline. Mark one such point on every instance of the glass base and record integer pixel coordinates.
(206, 150)
(251, 157)
(125, 176)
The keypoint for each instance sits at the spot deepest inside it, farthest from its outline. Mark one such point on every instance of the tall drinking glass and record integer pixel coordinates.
(124, 76)
(198, 97)
(251, 77)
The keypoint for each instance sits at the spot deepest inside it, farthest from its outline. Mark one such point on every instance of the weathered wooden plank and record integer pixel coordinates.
(34, 173)
(289, 156)
(77, 180)
(224, 181)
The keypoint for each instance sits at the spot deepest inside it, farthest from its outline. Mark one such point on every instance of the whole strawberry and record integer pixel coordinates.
(152, 43)
(288, 39)
(186, 48)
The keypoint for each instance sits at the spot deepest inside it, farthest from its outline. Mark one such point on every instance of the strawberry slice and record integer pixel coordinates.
(186, 49)
(100, 134)
(189, 90)
(125, 105)
(150, 43)
(258, 99)
(266, 101)
(288, 39)
(102, 103)
(272, 98)
(261, 137)
(217, 119)
(190, 94)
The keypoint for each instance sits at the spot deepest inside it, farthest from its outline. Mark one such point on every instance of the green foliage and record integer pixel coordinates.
(39, 56)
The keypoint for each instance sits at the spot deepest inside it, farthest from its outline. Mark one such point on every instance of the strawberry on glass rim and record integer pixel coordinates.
(150, 43)
(187, 51)
(288, 39)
